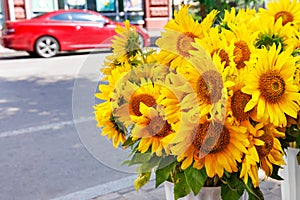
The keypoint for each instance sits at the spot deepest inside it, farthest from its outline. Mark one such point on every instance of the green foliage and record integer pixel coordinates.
(253, 193)
(181, 188)
(195, 178)
(292, 137)
(274, 174)
(233, 187)
(164, 170)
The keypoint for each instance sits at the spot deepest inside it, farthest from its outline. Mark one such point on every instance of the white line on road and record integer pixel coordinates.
(43, 127)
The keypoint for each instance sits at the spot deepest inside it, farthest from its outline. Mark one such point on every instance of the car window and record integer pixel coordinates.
(61, 17)
(86, 17)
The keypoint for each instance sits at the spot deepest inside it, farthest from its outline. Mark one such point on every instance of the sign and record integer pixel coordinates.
(105, 5)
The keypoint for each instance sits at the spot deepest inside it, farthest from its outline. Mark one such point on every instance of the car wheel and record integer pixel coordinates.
(46, 47)
(141, 41)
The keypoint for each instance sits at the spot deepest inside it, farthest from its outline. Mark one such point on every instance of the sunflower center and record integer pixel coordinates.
(222, 54)
(286, 17)
(210, 138)
(184, 44)
(209, 87)
(242, 53)
(159, 127)
(272, 86)
(265, 150)
(134, 107)
(238, 104)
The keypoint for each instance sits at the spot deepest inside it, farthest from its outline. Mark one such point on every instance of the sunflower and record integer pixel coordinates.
(215, 42)
(216, 145)
(103, 111)
(287, 10)
(271, 153)
(181, 32)
(272, 87)
(251, 158)
(110, 127)
(126, 42)
(242, 40)
(232, 17)
(152, 132)
(210, 79)
(271, 33)
(237, 103)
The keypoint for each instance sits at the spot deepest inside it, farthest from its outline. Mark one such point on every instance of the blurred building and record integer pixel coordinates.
(151, 14)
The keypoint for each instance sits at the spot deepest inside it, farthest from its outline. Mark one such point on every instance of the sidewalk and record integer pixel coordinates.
(271, 190)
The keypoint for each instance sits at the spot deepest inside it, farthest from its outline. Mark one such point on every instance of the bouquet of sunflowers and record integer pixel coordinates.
(212, 104)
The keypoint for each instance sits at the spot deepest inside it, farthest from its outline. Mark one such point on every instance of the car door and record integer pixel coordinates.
(60, 26)
(91, 31)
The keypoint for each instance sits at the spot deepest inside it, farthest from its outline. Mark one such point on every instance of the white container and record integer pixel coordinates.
(290, 186)
(206, 193)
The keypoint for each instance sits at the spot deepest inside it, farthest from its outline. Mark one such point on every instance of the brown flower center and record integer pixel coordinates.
(209, 87)
(184, 44)
(272, 86)
(242, 53)
(265, 150)
(134, 106)
(223, 55)
(158, 127)
(285, 15)
(238, 104)
(210, 138)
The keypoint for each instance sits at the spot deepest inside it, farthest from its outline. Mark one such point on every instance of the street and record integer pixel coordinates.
(50, 145)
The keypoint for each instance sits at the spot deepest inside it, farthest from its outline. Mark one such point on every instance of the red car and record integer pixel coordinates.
(63, 30)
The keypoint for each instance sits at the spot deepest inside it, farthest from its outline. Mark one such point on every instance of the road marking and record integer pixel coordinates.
(102, 189)
(44, 127)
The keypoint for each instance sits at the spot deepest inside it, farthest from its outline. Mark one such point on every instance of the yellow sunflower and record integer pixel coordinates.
(131, 96)
(271, 153)
(234, 17)
(152, 132)
(216, 145)
(126, 42)
(250, 162)
(215, 42)
(180, 33)
(287, 10)
(103, 110)
(270, 33)
(110, 126)
(242, 40)
(210, 79)
(272, 87)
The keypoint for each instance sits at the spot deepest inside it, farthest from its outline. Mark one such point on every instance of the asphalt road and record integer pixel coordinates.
(49, 144)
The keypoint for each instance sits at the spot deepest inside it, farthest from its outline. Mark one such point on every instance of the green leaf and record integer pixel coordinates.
(233, 188)
(195, 178)
(148, 166)
(163, 171)
(275, 173)
(139, 158)
(141, 180)
(181, 188)
(129, 142)
(253, 193)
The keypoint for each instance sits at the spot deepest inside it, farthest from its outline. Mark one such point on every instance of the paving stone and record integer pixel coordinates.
(110, 196)
(140, 195)
(159, 193)
(126, 190)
